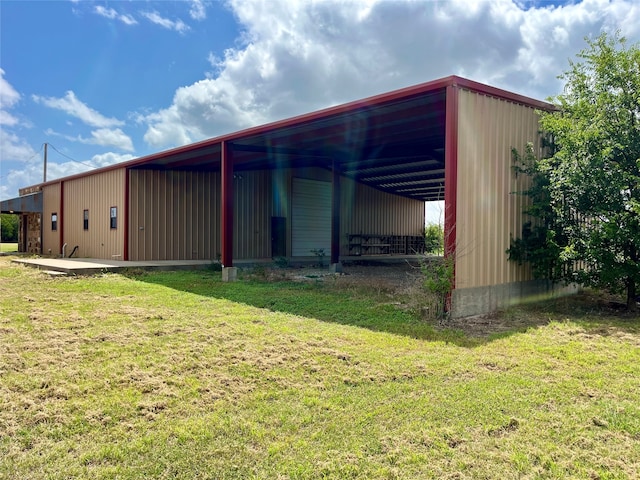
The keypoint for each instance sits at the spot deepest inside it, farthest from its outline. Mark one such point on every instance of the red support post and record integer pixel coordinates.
(226, 180)
(451, 174)
(60, 219)
(125, 233)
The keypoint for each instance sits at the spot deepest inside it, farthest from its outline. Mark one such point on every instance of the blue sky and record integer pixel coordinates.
(104, 82)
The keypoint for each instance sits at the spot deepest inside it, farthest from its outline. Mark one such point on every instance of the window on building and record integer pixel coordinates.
(54, 221)
(113, 217)
(85, 220)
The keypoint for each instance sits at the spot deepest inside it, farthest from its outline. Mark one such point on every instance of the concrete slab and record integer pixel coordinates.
(92, 266)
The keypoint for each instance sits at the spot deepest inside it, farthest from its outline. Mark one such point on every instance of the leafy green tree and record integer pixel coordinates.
(9, 226)
(586, 194)
(434, 238)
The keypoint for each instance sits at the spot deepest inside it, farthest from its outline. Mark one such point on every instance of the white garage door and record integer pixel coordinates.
(310, 217)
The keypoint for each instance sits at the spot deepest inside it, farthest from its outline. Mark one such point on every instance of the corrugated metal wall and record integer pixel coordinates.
(176, 215)
(173, 215)
(370, 211)
(96, 193)
(50, 204)
(253, 205)
(310, 217)
(363, 209)
(488, 211)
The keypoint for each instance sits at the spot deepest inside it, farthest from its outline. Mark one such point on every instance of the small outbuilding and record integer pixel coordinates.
(343, 182)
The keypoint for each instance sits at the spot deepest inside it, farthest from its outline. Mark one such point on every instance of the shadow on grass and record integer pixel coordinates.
(366, 309)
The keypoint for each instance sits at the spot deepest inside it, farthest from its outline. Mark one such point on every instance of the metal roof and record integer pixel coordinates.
(394, 142)
(25, 204)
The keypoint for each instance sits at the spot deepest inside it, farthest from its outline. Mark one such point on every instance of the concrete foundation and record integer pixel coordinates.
(466, 302)
(229, 274)
(335, 267)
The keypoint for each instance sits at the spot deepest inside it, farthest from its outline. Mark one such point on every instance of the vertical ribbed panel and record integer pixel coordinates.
(371, 211)
(253, 204)
(362, 209)
(488, 211)
(96, 193)
(310, 217)
(174, 215)
(50, 204)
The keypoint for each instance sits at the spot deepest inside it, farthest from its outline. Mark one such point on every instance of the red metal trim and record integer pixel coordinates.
(451, 173)
(226, 180)
(61, 217)
(125, 249)
(500, 93)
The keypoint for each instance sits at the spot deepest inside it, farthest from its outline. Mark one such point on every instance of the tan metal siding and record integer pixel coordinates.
(50, 204)
(96, 193)
(487, 210)
(253, 204)
(176, 215)
(173, 215)
(368, 210)
(362, 209)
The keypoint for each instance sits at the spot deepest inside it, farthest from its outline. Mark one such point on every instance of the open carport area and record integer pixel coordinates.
(347, 181)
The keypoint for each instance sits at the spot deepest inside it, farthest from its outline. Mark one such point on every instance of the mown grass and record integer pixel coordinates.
(178, 375)
(8, 247)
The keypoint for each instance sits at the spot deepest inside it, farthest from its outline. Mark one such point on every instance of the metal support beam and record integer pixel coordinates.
(335, 214)
(226, 180)
(125, 214)
(451, 174)
(61, 215)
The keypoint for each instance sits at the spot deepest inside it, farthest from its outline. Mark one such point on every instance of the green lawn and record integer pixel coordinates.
(8, 247)
(178, 375)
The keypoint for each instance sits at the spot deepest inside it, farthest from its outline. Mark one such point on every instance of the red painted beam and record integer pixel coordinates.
(60, 219)
(125, 253)
(226, 180)
(451, 173)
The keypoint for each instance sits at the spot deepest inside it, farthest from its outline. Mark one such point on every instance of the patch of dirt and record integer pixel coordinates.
(493, 323)
(399, 278)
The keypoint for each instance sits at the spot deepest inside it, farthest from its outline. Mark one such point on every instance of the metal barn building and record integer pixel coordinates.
(348, 180)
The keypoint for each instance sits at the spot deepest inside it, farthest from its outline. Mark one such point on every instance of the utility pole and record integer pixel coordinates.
(45, 161)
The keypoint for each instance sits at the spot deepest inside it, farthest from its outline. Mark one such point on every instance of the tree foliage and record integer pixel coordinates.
(434, 238)
(586, 194)
(9, 227)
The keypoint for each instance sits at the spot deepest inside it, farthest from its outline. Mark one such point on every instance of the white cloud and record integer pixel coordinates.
(103, 136)
(197, 10)
(31, 173)
(74, 107)
(127, 19)
(177, 25)
(9, 97)
(112, 14)
(13, 148)
(106, 12)
(111, 138)
(110, 158)
(298, 56)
